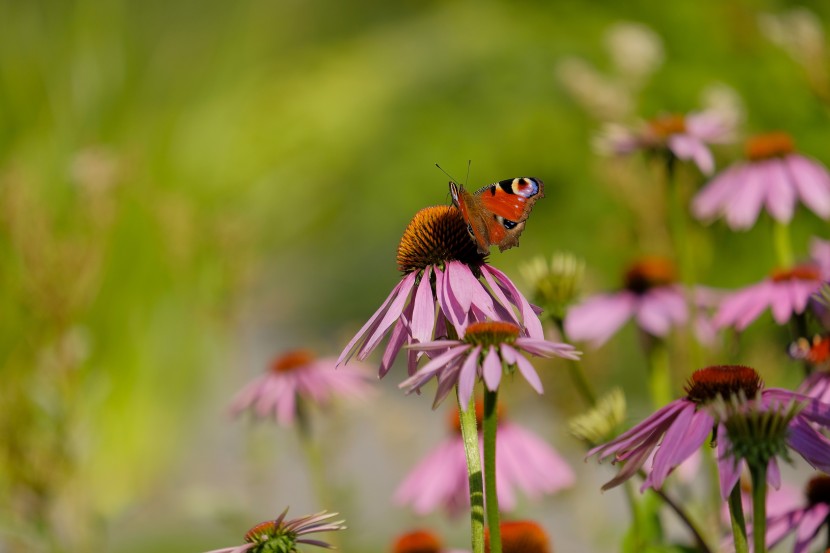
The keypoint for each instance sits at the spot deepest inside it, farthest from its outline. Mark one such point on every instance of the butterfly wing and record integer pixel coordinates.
(508, 204)
(470, 207)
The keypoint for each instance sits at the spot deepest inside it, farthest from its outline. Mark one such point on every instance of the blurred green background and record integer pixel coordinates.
(187, 188)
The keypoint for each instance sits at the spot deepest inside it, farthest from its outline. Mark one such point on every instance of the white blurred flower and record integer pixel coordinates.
(798, 31)
(635, 49)
(601, 96)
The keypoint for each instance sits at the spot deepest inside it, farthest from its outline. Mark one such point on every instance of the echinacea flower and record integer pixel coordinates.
(441, 268)
(685, 137)
(805, 520)
(285, 535)
(786, 292)
(421, 541)
(520, 536)
(298, 376)
(484, 352)
(679, 429)
(773, 176)
(650, 295)
(523, 461)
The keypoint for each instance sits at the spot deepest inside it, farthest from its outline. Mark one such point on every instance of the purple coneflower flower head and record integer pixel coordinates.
(774, 177)
(298, 376)
(441, 268)
(685, 137)
(285, 535)
(523, 461)
(487, 349)
(786, 292)
(421, 541)
(679, 429)
(805, 520)
(650, 295)
(520, 536)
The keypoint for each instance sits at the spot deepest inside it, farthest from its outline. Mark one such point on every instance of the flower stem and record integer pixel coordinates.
(736, 517)
(490, 424)
(575, 368)
(659, 379)
(758, 472)
(782, 244)
(469, 431)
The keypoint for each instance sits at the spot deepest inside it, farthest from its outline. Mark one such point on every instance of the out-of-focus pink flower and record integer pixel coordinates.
(421, 541)
(686, 137)
(441, 285)
(650, 296)
(804, 520)
(786, 292)
(298, 376)
(284, 535)
(679, 429)
(482, 354)
(773, 176)
(523, 461)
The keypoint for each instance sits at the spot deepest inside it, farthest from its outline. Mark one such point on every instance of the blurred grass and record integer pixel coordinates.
(184, 180)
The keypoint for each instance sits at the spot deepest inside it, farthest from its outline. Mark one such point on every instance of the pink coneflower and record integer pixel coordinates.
(805, 520)
(421, 541)
(773, 176)
(486, 349)
(683, 136)
(786, 292)
(650, 295)
(680, 428)
(520, 536)
(296, 376)
(285, 535)
(523, 461)
(441, 267)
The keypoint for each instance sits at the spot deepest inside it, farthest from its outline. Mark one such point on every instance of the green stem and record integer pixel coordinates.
(782, 244)
(575, 368)
(684, 517)
(490, 424)
(469, 431)
(659, 379)
(758, 472)
(314, 460)
(736, 517)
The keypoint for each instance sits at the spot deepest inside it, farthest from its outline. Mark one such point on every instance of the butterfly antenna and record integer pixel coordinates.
(450, 176)
(469, 162)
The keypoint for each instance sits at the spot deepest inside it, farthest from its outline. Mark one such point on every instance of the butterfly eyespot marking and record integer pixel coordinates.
(509, 224)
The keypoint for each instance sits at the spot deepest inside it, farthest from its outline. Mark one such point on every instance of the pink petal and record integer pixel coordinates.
(687, 147)
(781, 302)
(530, 320)
(423, 313)
(780, 197)
(812, 182)
(492, 369)
(467, 377)
(599, 317)
(709, 202)
(512, 356)
(392, 315)
(745, 203)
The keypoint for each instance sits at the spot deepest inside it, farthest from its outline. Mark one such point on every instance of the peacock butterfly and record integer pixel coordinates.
(496, 213)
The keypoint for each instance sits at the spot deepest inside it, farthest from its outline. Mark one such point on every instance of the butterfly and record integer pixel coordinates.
(815, 351)
(496, 213)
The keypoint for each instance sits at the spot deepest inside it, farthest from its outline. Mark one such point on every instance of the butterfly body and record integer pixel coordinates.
(496, 214)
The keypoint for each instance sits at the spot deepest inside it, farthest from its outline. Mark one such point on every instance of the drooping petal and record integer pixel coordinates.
(395, 310)
(635, 437)
(729, 470)
(423, 312)
(492, 369)
(812, 521)
(687, 147)
(810, 444)
(709, 202)
(432, 368)
(812, 183)
(512, 356)
(745, 203)
(543, 348)
(780, 198)
(467, 377)
(686, 435)
(530, 320)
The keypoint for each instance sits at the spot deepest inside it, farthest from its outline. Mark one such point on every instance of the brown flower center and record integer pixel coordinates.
(454, 419)
(818, 490)
(434, 236)
(769, 145)
(520, 536)
(292, 360)
(491, 333)
(725, 381)
(667, 125)
(267, 528)
(417, 541)
(799, 272)
(648, 273)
